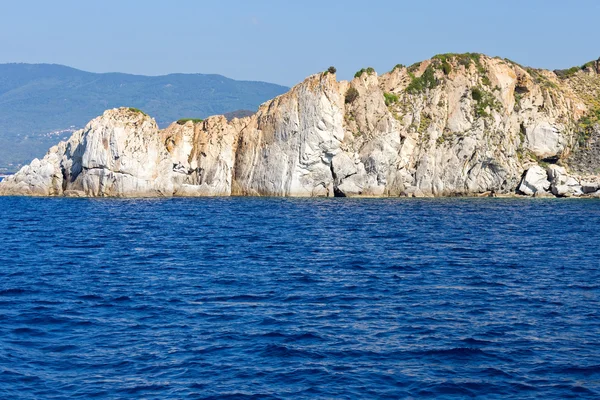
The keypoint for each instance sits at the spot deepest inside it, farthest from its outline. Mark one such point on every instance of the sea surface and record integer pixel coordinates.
(295, 298)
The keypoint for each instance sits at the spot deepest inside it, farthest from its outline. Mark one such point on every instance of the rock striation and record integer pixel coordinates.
(457, 124)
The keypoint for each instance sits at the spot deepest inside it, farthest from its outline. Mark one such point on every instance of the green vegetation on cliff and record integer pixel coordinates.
(390, 99)
(368, 71)
(567, 73)
(351, 95)
(137, 110)
(484, 100)
(426, 81)
(183, 121)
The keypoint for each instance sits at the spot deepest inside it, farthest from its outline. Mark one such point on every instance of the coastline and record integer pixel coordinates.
(236, 196)
(465, 133)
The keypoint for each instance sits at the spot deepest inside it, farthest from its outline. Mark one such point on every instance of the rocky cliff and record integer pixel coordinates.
(457, 124)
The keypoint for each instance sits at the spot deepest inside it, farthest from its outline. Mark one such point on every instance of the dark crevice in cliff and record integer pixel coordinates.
(551, 160)
(336, 191)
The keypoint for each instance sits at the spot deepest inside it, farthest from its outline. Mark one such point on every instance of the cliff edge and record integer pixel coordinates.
(457, 124)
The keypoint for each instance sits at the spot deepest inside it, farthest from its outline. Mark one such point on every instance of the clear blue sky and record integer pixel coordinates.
(284, 41)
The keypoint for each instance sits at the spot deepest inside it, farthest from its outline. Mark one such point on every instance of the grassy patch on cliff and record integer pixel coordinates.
(368, 71)
(398, 66)
(137, 110)
(445, 63)
(183, 121)
(568, 73)
(587, 124)
(484, 100)
(540, 79)
(390, 99)
(426, 81)
(464, 59)
(424, 122)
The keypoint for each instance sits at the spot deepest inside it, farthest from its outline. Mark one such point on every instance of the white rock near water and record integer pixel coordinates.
(429, 131)
(535, 180)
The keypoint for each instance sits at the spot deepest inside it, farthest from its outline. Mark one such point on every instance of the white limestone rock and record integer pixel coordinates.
(544, 139)
(534, 181)
(394, 138)
(562, 184)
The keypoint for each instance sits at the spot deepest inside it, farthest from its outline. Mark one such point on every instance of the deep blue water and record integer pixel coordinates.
(281, 298)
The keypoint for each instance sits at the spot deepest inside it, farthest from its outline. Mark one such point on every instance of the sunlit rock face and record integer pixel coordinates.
(453, 125)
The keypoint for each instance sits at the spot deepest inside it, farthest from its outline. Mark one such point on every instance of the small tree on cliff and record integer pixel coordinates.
(351, 95)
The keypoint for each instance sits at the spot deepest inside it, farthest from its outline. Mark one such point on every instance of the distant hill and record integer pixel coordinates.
(238, 114)
(42, 103)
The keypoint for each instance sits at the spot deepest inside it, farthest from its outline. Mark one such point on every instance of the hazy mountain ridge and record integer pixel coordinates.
(36, 99)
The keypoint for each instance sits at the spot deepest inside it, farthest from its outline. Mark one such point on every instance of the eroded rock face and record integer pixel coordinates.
(534, 181)
(471, 127)
(40, 178)
(287, 147)
(563, 184)
(545, 140)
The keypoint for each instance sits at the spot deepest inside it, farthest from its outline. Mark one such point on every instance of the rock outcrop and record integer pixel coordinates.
(453, 125)
(534, 181)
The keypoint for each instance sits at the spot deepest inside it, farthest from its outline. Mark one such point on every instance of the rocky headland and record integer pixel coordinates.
(454, 125)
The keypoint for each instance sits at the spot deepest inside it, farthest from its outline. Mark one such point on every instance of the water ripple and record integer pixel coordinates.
(250, 298)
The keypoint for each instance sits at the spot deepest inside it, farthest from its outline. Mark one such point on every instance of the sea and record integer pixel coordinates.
(275, 298)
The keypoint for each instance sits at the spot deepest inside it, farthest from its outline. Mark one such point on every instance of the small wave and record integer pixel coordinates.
(90, 297)
(584, 287)
(240, 396)
(484, 283)
(211, 349)
(305, 278)
(455, 352)
(475, 341)
(587, 370)
(575, 389)
(293, 298)
(276, 350)
(274, 335)
(28, 331)
(47, 320)
(237, 298)
(269, 321)
(12, 292)
(446, 388)
(495, 372)
(60, 348)
(226, 282)
(409, 268)
(307, 336)
(144, 388)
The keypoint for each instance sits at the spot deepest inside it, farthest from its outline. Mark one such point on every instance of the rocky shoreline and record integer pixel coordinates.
(454, 125)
